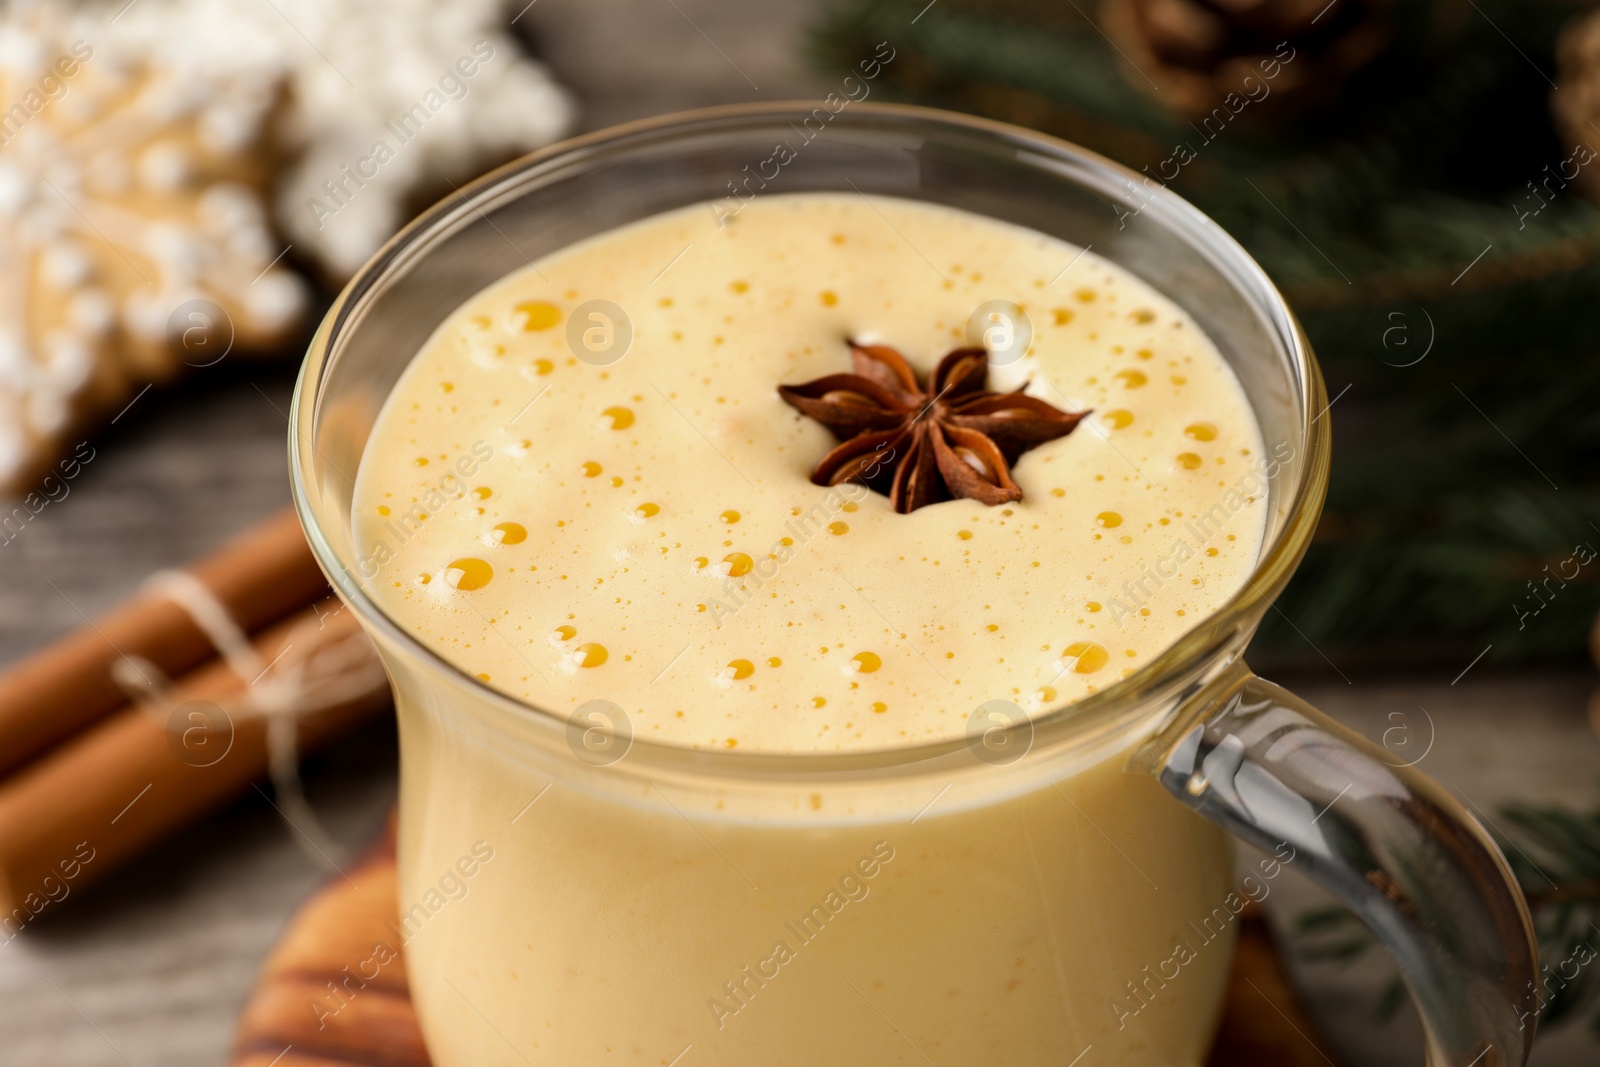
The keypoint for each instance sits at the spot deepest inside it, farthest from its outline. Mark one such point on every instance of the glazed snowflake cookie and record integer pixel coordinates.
(132, 235)
(391, 102)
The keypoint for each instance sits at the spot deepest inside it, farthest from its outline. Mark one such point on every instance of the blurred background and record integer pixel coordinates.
(185, 183)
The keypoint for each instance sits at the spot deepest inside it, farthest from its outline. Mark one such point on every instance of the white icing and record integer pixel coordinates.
(47, 410)
(275, 300)
(227, 205)
(175, 248)
(164, 167)
(144, 314)
(68, 363)
(21, 54)
(352, 67)
(252, 243)
(15, 368)
(92, 312)
(168, 103)
(14, 190)
(13, 444)
(65, 265)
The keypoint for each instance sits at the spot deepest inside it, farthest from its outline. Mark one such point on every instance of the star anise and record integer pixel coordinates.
(918, 444)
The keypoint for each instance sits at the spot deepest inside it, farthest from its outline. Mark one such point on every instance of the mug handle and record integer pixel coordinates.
(1386, 840)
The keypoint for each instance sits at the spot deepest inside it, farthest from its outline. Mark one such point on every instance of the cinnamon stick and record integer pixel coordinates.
(259, 578)
(84, 808)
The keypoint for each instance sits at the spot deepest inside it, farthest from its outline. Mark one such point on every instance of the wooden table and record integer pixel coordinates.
(151, 967)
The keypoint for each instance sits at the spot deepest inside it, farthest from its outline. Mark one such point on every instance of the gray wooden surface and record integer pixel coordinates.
(152, 966)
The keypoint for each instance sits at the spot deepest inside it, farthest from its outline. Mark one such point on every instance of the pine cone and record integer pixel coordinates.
(1576, 109)
(1197, 52)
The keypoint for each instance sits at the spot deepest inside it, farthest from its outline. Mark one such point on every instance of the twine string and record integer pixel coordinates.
(311, 674)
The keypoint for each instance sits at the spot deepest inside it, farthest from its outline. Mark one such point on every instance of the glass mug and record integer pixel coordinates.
(1038, 892)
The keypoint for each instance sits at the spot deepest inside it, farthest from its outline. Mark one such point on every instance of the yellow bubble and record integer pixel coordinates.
(510, 533)
(818, 702)
(1108, 519)
(730, 517)
(965, 535)
(774, 661)
(383, 509)
(738, 563)
(543, 366)
(1063, 316)
(591, 469)
(1211, 551)
(590, 655)
(616, 481)
(837, 528)
(1085, 296)
(829, 298)
(1085, 657)
(866, 662)
(1093, 605)
(850, 505)
(879, 707)
(1188, 461)
(739, 287)
(647, 510)
(483, 492)
(1131, 379)
(739, 669)
(421, 461)
(565, 633)
(1058, 492)
(1046, 694)
(621, 418)
(1143, 315)
(701, 562)
(468, 573)
(1201, 431)
(538, 315)
(448, 387)
(1119, 419)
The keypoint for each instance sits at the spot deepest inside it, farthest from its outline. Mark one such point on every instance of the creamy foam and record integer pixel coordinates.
(644, 532)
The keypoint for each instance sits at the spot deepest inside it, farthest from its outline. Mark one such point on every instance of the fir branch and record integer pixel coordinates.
(1398, 198)
(1456, 481)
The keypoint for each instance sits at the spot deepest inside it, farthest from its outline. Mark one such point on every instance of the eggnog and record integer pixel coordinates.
(587, 492)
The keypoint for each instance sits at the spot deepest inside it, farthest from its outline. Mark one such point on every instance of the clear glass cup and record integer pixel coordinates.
(1038, 891)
